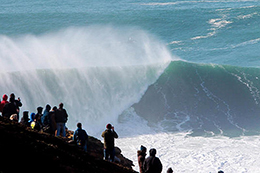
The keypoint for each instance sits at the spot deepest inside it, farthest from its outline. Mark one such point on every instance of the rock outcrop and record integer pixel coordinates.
(23, 149)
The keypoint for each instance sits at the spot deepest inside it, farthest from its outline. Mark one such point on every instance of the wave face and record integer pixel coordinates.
(97, 72)
(207, 99)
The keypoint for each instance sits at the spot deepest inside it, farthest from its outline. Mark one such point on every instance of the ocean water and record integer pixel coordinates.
(180, 76)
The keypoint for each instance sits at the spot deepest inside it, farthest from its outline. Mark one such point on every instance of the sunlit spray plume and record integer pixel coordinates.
(96, 71)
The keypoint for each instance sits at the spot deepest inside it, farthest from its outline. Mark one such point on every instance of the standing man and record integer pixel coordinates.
(17, 103)
(81, 137)
(109, 136)
(152, 164)
(61, 117)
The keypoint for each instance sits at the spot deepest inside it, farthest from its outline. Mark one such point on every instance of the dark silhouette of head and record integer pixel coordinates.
(48, 107)
(26, 115)
(170, 170)
(61, 106)
(152, 152)
(12, 98)
(79, 125)
(39, 109)
(109, 126)
(54, 108)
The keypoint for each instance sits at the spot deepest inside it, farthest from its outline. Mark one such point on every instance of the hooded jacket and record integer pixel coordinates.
(3, 102)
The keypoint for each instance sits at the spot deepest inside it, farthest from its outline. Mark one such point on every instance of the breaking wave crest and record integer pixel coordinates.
(97, 71)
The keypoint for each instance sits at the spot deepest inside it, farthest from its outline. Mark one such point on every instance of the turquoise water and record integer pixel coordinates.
(159, 71)
(221, 32)
(96, 40)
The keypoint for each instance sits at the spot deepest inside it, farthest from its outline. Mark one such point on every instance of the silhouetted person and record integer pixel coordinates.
(45, 119)
(141, 157)
(10, 109)
(25, 119)
(109, 136)
(37, 125)
(53, 126)
(220, 172)
(17, 103)
(81, 137)
(61, 117)
(152, 164)
(3, 102)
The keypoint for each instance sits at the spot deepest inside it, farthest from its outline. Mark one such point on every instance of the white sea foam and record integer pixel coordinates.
(216, 24)
(247, 16)
(197, 154)
(160, 3)
(175, 42)
(197, 2)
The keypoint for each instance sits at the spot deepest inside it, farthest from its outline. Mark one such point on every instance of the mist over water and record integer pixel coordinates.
(97, 71)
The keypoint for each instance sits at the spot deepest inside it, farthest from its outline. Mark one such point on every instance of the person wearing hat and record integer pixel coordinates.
(141, 157)
(152, 164)
(109, 136)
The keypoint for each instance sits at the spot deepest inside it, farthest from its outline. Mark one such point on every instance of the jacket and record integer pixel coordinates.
(109, 138)
(61, 116)
(141, 157)
(152, 165)
(80, 137)
(9, 109)
(3, 102)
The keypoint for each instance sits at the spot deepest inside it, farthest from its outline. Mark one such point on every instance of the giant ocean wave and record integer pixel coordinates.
(127, 76)
(96, 71)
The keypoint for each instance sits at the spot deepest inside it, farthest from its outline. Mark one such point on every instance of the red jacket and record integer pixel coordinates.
(3, 102)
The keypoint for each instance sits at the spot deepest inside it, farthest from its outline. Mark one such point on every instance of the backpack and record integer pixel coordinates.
(81, 137)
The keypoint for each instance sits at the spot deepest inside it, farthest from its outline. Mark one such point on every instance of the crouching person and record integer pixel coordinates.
(80, 137)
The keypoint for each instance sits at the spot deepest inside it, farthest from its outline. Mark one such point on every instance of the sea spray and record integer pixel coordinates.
(196, 154)
(97, 71)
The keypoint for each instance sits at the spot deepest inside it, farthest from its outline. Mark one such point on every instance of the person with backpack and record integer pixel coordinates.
(80, 137)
